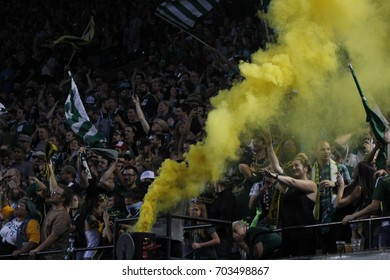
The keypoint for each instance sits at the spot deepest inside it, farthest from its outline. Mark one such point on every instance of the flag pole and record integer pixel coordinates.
(192, 35)
(376, 122)
(74, 49)
(195, 37)
(264, 21)
(356, 82)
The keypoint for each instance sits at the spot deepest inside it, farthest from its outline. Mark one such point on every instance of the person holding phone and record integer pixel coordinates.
(14, 189)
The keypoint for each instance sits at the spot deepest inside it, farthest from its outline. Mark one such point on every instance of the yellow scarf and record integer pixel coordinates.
(315, 176)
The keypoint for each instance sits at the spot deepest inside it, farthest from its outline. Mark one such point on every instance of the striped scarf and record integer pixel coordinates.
(324, 200)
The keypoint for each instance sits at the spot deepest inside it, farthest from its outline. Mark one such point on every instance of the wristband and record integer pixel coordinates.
(276, 176)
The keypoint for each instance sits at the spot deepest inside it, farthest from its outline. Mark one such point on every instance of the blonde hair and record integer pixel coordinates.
(203, 210)
(237, 224)
(304, 160)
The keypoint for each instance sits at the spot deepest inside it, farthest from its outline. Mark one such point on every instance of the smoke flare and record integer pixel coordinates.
(315, 40)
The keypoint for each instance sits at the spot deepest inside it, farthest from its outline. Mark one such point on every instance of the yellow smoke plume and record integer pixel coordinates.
(315, 41)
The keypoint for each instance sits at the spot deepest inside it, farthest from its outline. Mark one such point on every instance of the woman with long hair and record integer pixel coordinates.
(351, 198)
(203, 240)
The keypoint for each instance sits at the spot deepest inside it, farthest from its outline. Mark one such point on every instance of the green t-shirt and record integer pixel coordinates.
(272, 241)
(382, 193)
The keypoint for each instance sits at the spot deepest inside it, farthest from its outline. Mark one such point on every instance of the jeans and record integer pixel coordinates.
(384, 236)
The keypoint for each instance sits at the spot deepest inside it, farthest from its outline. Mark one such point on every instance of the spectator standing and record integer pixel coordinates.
(324, 173)
(203, 240)
(297, 205)
(56, 225)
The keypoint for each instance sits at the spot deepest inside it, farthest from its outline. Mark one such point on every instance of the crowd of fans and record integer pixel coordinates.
(146, 86)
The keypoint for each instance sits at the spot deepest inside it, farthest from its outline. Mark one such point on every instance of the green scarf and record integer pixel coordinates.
(315, 176)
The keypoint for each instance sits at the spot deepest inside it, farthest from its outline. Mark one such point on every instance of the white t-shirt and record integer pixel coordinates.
(9, 231)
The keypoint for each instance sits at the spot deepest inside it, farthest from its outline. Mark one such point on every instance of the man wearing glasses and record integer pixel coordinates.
(120, 182)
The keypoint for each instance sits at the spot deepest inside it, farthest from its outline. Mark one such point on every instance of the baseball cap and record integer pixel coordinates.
(124, 85)
(69, 169)
(162, 123)
(129, 154)
(194, 98)
(24, 138)
(121, 145)
(90, 100)
(39, 155)
(148, 174)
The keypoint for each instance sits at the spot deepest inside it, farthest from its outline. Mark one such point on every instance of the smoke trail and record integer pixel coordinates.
(309, 58)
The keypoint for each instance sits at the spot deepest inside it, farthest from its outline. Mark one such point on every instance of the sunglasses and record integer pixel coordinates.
(53, 193)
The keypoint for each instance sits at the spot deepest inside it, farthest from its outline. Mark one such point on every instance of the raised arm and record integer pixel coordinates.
(306, 186)
(140, 113)
(275, 164)
(52, 179)
(107, 179)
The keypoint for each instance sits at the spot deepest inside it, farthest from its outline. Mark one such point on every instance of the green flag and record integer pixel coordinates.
(377, 121)
(78, 42)
(184, 13)
(80, 124)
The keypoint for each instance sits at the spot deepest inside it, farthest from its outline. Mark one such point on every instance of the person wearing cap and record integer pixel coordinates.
(90, 100)
(68, 178)
(129, 158)
(24, 140)
(146, 179)
(145, 155)
(117, 136)
(147, 176)
(121, 147)
(38, 160)
(124, 96)
(122, 80)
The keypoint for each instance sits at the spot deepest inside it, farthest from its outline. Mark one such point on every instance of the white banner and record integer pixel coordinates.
(188, 269)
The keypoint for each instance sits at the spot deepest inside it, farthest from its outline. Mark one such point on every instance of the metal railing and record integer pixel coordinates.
(71, 251)
(369, 221)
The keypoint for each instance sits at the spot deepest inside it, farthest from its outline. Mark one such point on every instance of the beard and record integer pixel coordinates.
(15, 196)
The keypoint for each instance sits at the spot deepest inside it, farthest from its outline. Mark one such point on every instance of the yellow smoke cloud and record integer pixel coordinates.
(313, 38)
